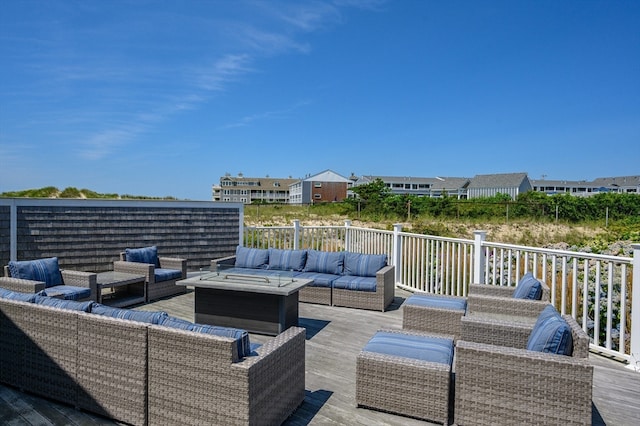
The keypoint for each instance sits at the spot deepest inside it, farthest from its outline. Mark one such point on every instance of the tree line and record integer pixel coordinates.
(375, 200)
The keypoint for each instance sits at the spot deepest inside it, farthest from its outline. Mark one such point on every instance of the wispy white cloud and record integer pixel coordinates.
(223, 71)
(130, 94)
(274, 114)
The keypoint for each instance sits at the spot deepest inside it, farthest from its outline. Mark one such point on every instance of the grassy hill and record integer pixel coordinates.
(71, 192)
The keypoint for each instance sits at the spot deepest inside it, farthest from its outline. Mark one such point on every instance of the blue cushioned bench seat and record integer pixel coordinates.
(423, 348)
(436, 301)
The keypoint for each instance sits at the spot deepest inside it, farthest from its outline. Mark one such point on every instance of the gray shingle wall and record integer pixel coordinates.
(90, 237)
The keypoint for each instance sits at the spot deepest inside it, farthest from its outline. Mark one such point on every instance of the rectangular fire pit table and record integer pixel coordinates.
(256, 303)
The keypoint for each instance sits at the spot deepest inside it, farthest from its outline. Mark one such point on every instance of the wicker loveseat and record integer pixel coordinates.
(161, 272)
(146, 368)
(354, 280)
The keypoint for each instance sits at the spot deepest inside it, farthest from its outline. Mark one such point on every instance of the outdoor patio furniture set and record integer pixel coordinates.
(355, 280)
(143, 367)
(157, 274)
(517, 360)
(499, 355)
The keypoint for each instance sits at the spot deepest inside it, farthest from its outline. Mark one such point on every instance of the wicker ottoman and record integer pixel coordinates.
(433, 313)
(407, 373)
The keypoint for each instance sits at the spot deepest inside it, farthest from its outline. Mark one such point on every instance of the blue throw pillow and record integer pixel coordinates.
(528, 288)
(143, 255)
(149, 317)
(363, 265)
(241, 336)
(19, 296)
(325, 262)
(46, 270)
(287, 260)
(252, 258)
(552, 335)
(65, 304)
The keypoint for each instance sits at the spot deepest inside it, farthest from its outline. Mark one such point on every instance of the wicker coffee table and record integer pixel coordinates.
(123, 289)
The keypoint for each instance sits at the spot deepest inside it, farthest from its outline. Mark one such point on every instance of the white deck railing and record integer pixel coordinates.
(597, 290)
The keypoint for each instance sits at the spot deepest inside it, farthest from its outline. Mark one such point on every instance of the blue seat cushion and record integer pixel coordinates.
(319, 279)
(287, 260)
(528, 288)
(70, 292)
(17, 295)
(348, 282)
(241, 337)
(149, 317)
(252, 258)
(46, 270)
(363, 265)
(437, 301)
(430, 349)
(325, 262)
(161, 274)
(65, 304)
(551, 334)
(143, 255)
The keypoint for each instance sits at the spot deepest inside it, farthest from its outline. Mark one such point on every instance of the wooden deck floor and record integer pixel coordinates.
(334, 338)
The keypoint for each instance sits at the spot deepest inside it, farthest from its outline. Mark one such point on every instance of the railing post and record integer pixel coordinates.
(634, 359)
(13, 231)
(397, 251)
(347, 235)
(478, 256)
(296, 234)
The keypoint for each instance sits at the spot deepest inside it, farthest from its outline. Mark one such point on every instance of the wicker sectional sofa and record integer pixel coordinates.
(354, 280)
(146, 368)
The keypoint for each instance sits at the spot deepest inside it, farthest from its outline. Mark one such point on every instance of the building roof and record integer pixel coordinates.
(326, 176)
(617, 181)
(262, 183)
(503, 180)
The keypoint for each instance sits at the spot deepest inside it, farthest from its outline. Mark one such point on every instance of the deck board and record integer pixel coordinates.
(335, 335)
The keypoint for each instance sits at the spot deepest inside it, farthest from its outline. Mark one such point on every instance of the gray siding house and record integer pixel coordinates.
(511, 184)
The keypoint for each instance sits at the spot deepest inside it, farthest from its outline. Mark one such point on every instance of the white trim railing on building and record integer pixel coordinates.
(597, 290)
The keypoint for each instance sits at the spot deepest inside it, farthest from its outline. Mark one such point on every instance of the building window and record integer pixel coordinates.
(317, 184)
(317, 196)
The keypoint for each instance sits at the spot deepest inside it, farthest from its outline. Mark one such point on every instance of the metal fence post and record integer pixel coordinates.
(478, 256)
(397, 250)
(634, 360)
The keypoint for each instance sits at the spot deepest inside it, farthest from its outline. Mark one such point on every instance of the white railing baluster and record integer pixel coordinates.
(574, 288)
(609, 303)
(563, 299)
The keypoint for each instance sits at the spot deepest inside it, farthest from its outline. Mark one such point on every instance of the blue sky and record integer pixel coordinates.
(161, 98)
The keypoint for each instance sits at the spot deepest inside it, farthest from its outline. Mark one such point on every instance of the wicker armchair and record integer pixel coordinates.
(499, 381)
(157, 287)
(70, 279)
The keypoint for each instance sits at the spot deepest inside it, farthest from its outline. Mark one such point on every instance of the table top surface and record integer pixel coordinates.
(247, 283)
(118, 278)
